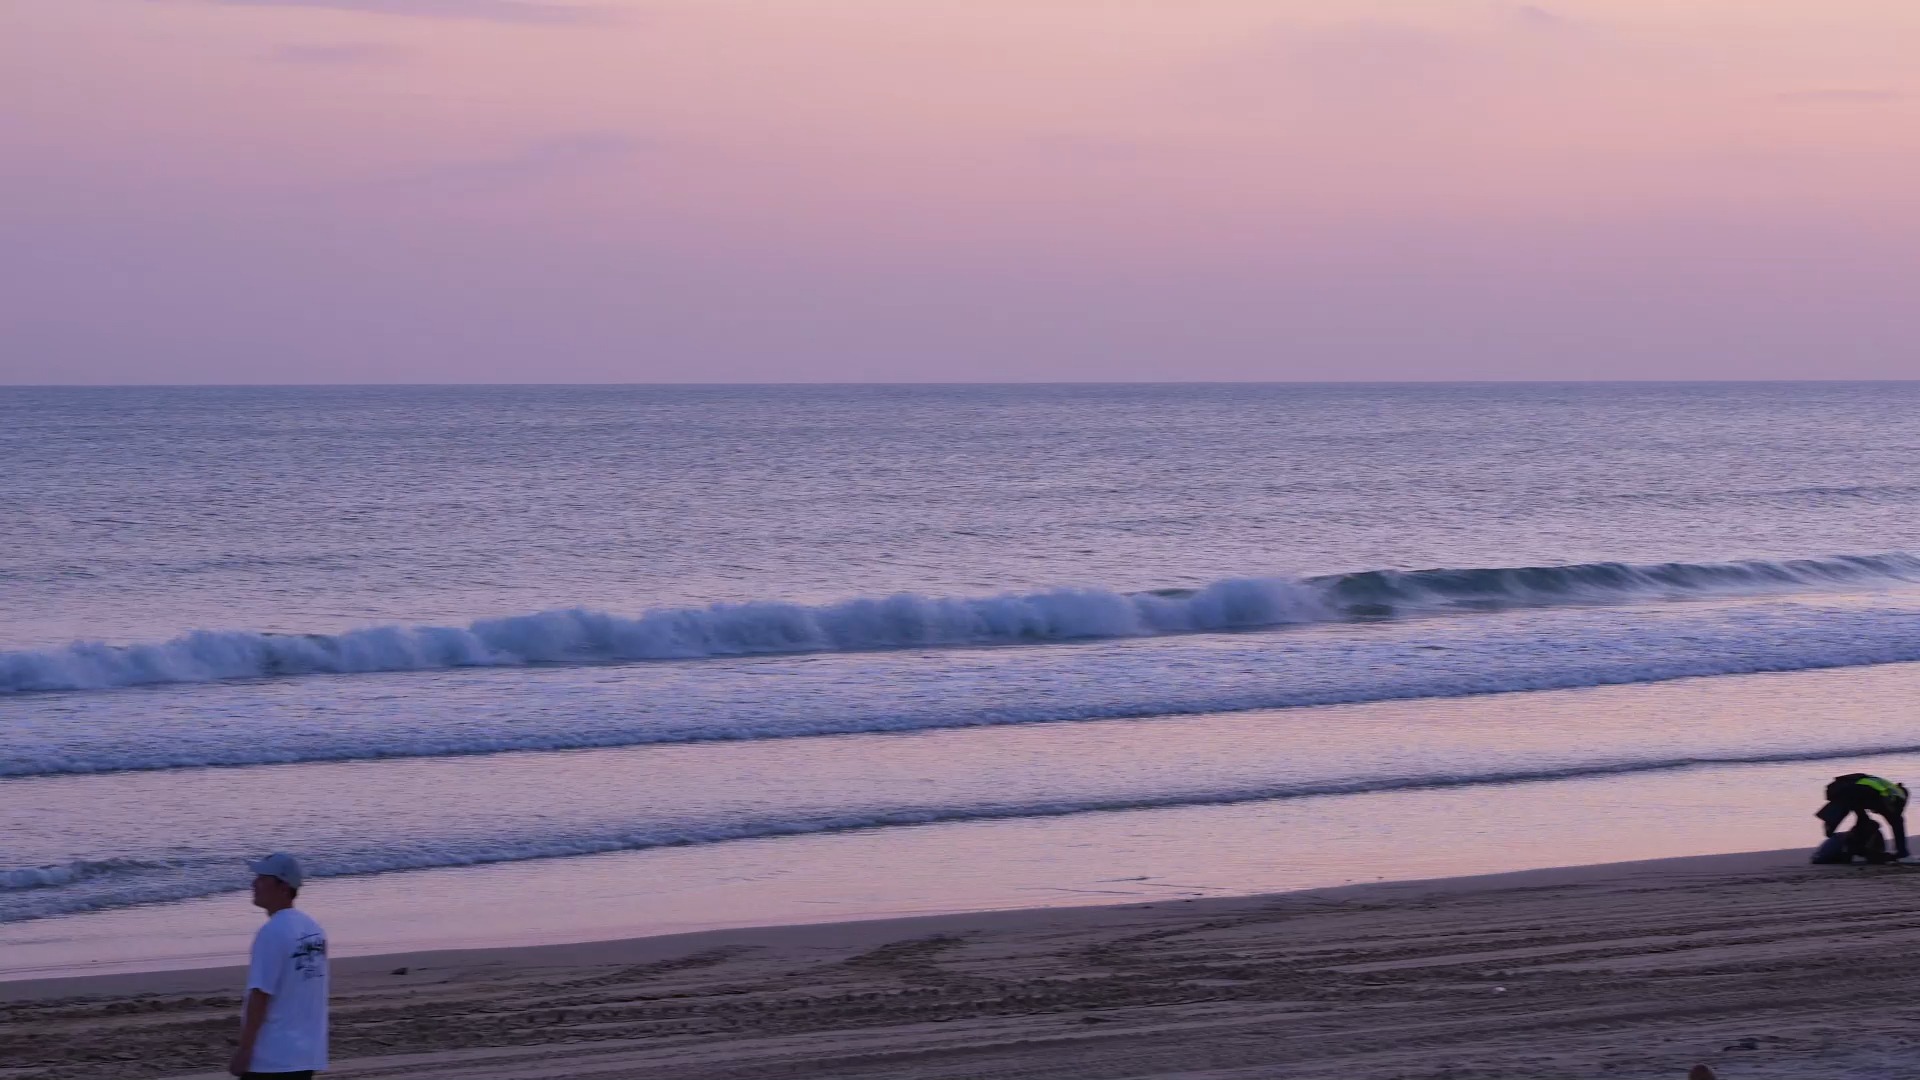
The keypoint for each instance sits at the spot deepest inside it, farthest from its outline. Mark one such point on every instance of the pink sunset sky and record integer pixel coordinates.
(954, 190)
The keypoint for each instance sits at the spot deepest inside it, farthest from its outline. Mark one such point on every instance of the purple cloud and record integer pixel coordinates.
(531, 162)
(339, 54)
(1094, 148)
(505, 11)
(1844, 96)
(1535, 17)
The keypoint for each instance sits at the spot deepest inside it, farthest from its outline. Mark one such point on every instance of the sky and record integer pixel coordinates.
(326, 191)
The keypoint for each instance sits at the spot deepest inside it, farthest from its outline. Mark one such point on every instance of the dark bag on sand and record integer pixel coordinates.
(1864, 841)
(1831, 852)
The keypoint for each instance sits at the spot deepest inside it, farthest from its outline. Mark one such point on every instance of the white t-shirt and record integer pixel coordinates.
(290, 963)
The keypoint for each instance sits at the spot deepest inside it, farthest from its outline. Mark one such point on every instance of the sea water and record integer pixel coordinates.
(401, 629)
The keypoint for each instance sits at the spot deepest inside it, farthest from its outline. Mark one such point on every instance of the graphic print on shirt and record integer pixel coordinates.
(310, 956)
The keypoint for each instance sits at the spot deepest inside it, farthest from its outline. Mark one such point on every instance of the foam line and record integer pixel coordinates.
(120, 882)
(578, 635)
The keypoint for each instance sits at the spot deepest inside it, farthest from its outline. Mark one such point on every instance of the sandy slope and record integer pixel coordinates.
(1757, 964)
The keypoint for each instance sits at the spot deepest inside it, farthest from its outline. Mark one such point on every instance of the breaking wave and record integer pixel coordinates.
(57, 875)
(577, 635)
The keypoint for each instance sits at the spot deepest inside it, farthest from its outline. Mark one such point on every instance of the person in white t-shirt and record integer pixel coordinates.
(283, 1023)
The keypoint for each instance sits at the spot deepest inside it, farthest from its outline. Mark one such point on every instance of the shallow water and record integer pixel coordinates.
(406, 629)
(1089, 857)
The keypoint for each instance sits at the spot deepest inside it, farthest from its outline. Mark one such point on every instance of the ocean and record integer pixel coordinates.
(623, 659)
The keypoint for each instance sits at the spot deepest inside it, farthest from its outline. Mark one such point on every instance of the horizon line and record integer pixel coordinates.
(902, 383)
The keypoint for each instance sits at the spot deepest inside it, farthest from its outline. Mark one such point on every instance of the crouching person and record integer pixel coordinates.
(1860, 794)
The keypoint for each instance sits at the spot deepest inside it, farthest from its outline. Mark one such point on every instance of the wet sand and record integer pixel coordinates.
(1757, 964)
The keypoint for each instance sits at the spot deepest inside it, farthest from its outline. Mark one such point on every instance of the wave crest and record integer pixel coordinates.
(55, 876)
(578, 635)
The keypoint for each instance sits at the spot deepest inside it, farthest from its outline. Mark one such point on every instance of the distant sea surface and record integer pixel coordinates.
(403, 628)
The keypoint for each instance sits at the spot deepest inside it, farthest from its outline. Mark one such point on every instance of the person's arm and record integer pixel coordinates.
(267, 963)
(258, 1001)
(1897, 817)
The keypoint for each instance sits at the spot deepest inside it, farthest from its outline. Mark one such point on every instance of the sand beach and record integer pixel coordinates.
(1756, 964)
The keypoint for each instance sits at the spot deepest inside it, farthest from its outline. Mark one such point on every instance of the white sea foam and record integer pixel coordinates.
(577, 635)
(59, 874)
(258, 723)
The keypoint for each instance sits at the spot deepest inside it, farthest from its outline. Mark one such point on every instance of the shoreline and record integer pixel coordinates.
(649, 947)
(1093, 859)
(1624, 969)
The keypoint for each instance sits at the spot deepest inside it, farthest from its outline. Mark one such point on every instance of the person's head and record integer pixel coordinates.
(276, 881)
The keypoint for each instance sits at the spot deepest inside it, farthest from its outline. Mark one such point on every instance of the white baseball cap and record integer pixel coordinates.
(280, 865)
